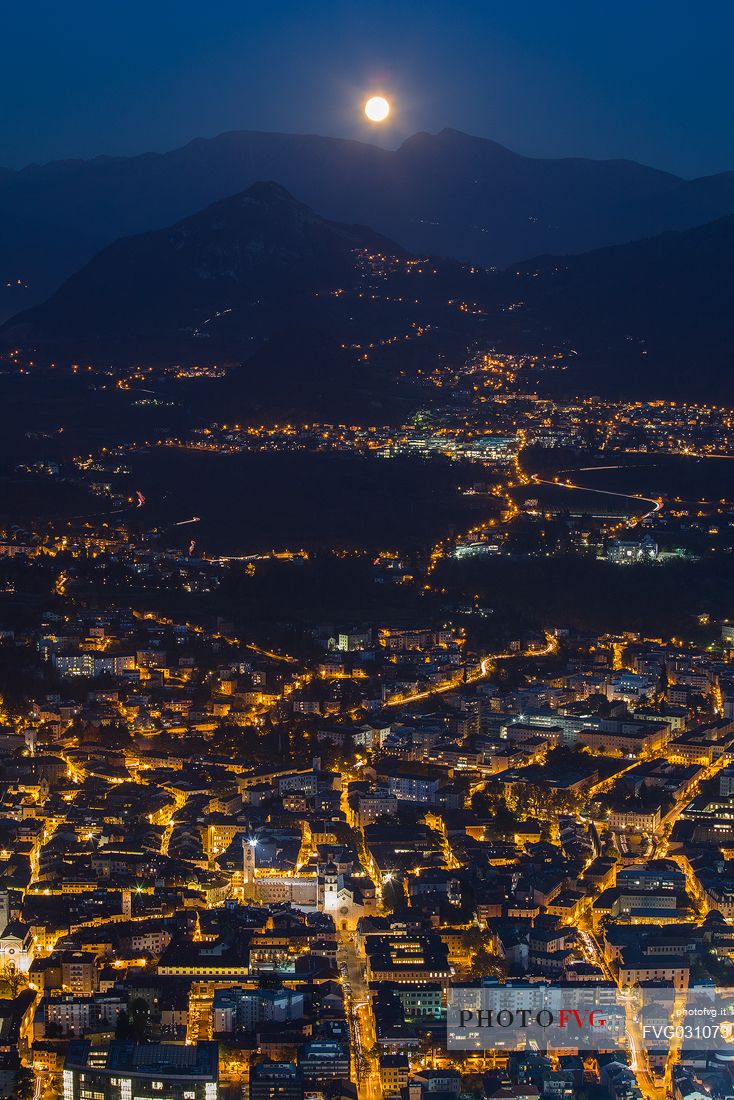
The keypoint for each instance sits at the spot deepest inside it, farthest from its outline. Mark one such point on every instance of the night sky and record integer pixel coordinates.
(646, 79)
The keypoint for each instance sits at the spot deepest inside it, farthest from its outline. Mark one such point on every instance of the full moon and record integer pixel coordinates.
(377, 108)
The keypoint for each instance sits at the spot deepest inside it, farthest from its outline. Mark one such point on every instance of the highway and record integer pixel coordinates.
(359, 1013)
(632, 521)
(680, 804)
(485, 667)
(593, 951)
(269, 653)
(638, 1055)
(448, 685)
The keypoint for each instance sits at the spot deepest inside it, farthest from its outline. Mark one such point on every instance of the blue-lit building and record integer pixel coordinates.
(123, 1070)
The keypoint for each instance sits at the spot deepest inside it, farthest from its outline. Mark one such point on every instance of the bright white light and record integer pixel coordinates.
(377, 108)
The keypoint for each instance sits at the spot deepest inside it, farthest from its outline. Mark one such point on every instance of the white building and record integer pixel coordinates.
(16, 946)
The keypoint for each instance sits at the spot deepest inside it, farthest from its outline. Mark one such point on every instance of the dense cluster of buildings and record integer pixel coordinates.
(227, 870)
(231, 871)
(510, 419)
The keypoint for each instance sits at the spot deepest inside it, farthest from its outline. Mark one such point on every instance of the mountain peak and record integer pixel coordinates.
(447, 193)
(455, 139)
(264, 199)
(451, 134)
(268, 192)
(252, 257)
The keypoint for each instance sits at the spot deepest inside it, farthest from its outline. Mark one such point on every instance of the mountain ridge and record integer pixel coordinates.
(252, 252)
(661, 305)
(450, 194)
(246, 268)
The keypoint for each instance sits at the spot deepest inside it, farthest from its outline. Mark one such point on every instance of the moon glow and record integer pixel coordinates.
(377, 108)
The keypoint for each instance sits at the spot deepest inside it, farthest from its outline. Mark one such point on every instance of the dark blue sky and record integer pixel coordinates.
(646, 79)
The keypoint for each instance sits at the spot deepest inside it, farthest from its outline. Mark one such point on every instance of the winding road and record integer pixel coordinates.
(656, 502)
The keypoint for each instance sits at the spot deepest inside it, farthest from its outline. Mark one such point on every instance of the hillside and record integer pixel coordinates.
(652, 315)
(447, 194)
(256, 268)
(240, 265)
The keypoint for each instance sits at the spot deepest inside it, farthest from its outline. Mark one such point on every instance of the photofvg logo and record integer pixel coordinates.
(518, 1015)
(594, 1017)
(701, 1019)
